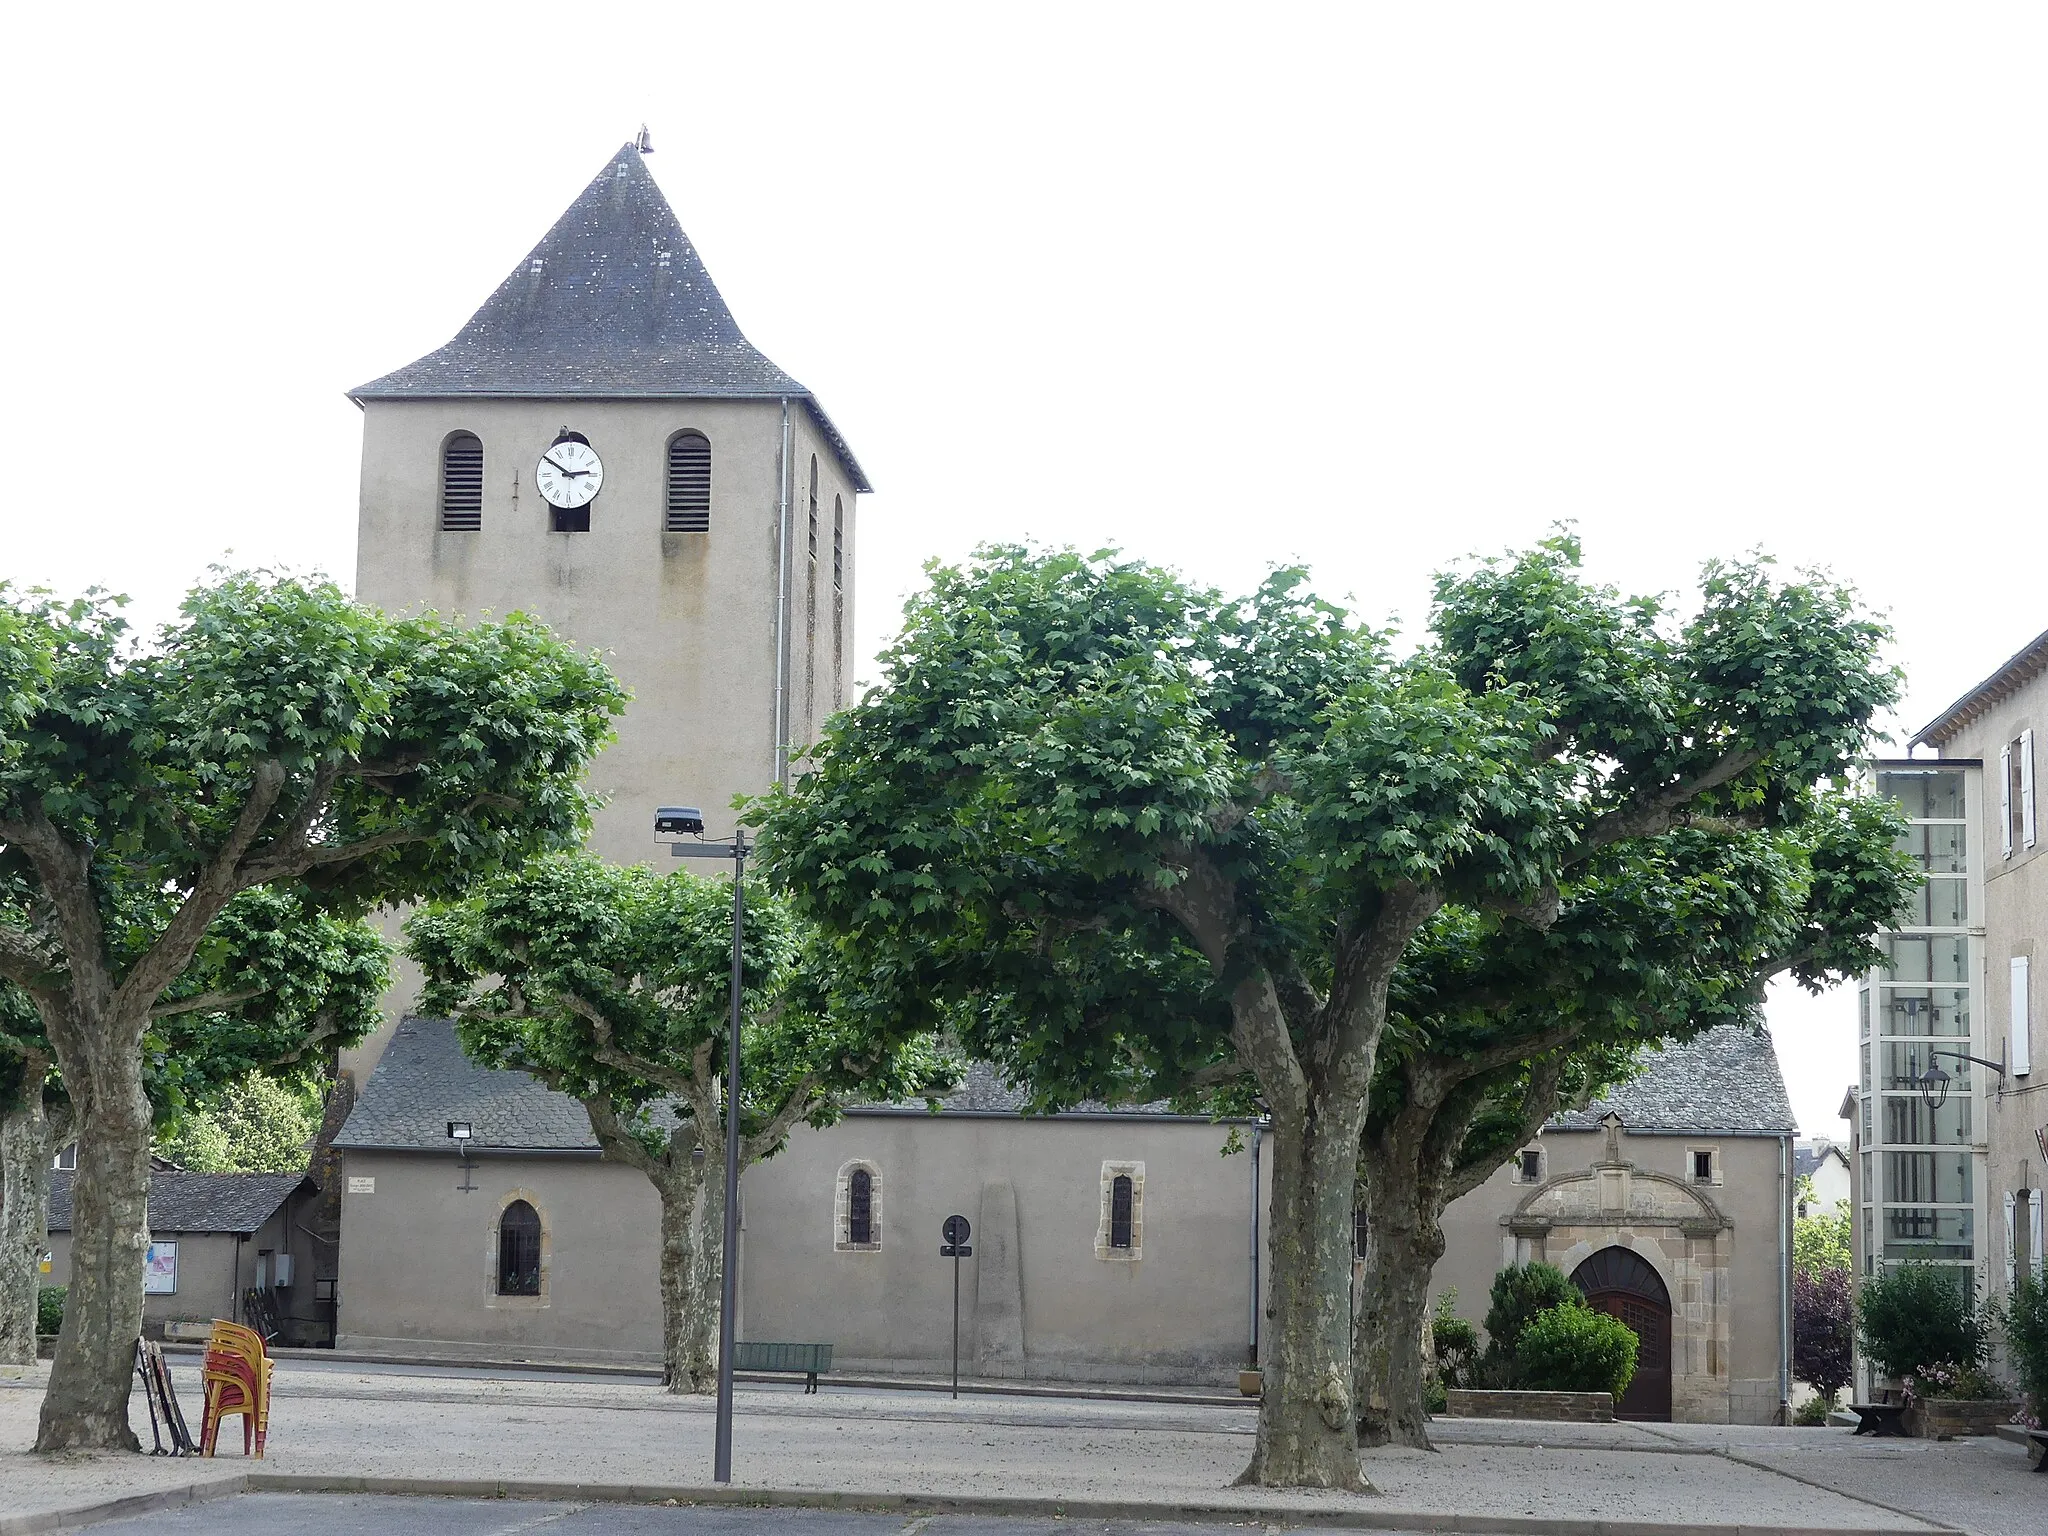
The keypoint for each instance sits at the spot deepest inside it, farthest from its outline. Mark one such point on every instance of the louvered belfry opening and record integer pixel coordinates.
(519, 1250)
(1120, 1211)
(462, 484)
(689, 484)
(838, 544)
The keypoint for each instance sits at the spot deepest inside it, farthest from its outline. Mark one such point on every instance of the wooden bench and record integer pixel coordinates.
(2037, 1439)
(1880, 1419)
(806, 1360)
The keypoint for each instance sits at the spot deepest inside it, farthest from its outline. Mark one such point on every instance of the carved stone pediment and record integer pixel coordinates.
(1611, 1193)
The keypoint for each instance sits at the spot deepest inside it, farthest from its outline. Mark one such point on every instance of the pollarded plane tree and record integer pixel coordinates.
(1077, 763)
(276, 737)
(276, 988)
(1496, 1027)
(612, 985)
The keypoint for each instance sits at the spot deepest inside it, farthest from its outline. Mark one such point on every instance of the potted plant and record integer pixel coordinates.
(1922, 1325)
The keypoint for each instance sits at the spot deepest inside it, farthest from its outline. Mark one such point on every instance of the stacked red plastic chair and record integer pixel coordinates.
(236, 1376)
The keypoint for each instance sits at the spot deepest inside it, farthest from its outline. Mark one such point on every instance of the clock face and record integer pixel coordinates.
(569, 474)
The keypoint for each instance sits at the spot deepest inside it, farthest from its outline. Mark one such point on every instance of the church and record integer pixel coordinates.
(602, 447)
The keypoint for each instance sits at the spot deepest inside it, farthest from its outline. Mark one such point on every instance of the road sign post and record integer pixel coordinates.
(956, 1231)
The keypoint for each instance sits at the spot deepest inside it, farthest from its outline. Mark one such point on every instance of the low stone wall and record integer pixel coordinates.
(1932, 1417)
(1571, 1407)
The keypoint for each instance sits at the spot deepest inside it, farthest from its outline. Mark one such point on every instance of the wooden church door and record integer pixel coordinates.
(1622, 1284)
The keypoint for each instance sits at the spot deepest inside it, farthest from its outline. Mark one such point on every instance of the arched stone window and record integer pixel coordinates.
(689, 484)
(1120, 1233)
(857, 1209)
(462, 483)
(519, 1250)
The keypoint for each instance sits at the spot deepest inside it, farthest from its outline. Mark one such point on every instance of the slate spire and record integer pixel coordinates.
(613, 302)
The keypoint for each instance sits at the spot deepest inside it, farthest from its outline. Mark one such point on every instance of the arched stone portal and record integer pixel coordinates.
(1622, 1284)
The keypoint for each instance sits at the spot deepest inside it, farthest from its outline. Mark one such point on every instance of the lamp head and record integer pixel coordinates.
(1933, 1084)
(676, 821)
(459, 1130)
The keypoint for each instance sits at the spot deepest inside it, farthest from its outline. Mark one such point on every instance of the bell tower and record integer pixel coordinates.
(602, 448)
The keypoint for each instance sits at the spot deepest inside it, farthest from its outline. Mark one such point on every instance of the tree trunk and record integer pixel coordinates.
(1306, 1436)
(86, 1407)
(1403, 1242)
(692, 1233)
(24, 1212)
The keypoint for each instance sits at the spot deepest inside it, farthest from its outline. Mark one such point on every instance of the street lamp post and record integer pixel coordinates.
(676, 821)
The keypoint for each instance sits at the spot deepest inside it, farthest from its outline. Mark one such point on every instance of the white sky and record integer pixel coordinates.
(1368, 286)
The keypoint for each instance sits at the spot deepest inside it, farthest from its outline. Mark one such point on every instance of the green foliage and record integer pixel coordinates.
(1520, 1291)
(613, 984)
(1813, 1412)
(1820, 1242)
(256, 1125)
(1943, 1379)
(2026, 1339)
(49, 1308)
(1455, 1342)
(1572, 1348)
(1914, 1315)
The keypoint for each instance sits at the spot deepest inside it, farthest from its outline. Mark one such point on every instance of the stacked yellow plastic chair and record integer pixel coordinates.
(236, 1376)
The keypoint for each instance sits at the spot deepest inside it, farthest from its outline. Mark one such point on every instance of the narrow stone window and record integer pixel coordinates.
(689, 484)
(814, 508)
(1120, 1234)
(1532, 1166)
(1703, 1165)
(462, 483)
(519, 1250)
(857, 1209)
(860, 1208)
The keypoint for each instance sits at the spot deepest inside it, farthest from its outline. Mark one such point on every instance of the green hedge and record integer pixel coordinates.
(1913, 1315)
(1572, 1348)
(49, 1308)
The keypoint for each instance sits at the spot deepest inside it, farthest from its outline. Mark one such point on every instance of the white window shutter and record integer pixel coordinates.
(2005, 799)
(2019, 1029)
(2011, 1233)
(2034, 1221)
(2027, 787)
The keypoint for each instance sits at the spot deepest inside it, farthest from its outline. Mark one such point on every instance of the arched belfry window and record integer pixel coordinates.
(1120, 1189)
(462, 483)
(838, 544)
(519, 1250)
(857, 1209)
(814, 512)
(689, 484)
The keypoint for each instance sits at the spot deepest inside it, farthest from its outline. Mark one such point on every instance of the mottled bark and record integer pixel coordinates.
(25, 1150)
(692, 1267)
(1404, 1240)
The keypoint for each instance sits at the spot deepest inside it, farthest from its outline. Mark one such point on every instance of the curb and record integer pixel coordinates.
(1034, 1506)
(1220, 1398)
(121, 1508)
(1814, 1482)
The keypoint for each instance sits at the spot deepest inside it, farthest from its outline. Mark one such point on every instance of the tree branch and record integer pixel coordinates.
(799, 1102)
(1661, 810)
(206, 1002)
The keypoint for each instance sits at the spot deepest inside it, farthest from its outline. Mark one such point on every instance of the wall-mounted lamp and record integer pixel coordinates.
(461, 1132)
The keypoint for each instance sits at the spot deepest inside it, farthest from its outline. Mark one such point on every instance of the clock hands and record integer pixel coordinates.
(548, 458)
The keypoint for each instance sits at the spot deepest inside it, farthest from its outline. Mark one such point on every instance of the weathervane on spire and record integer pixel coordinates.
(644, 143)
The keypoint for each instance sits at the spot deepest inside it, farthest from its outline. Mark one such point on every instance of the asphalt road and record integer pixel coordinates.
(321, 1514)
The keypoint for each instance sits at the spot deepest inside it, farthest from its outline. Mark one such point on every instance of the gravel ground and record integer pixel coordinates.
(335, 1422)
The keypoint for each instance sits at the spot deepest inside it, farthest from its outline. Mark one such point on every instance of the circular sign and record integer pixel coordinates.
(956, 1231)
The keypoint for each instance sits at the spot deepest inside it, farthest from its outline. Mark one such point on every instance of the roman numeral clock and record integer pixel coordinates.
(568, 477)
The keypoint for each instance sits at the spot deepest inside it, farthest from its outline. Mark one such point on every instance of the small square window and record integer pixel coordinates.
(1532, 1166)
(1702, 1167)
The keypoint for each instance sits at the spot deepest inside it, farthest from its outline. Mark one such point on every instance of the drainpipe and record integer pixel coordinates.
(782, 607)
(235, 1285)
(1785, 1280)
(1253, 1351)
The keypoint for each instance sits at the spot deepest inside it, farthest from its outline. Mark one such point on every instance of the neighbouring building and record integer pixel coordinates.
(214, 1238)
(1950, 1121)
(1669, 1202)
(1824, 1164)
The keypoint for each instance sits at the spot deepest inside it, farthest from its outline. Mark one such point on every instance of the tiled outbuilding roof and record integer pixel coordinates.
(613, 304)
(194, 1202)
(1727, 1080)
(1805, 1160)
(423, 1080)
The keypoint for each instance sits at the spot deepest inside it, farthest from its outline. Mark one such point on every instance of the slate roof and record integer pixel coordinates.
(423, 1080)
(1725, 1081)
(614, 303)
(194, 1202)
(2018, 669)
(1806, 1159)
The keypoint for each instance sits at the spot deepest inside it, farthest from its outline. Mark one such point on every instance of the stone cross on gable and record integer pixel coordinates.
(1611, 1124)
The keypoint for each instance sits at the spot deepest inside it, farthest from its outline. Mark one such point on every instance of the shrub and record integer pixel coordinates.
(2026, 1340)
(1520, 1292)
(1814, 1411)
(49, 1308)
(1913, 1315)
(1944, 1380)
(1455, 1341)
(1572, 1348)
(1823, 1328)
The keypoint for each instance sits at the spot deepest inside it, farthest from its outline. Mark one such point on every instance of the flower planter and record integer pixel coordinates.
(1933, 1417)
(1567, 1407)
